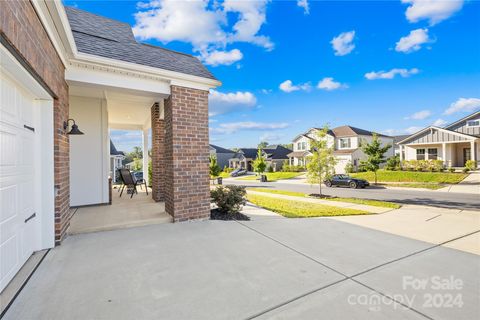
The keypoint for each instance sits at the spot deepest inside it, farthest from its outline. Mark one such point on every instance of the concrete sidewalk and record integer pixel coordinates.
(471, 184)
(265, 269)
(433, 225)
(363, 207)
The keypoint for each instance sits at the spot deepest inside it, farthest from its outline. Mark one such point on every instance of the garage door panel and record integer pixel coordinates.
(9, 111)
(8, 154)
(9, 264)
(26, 104)
(9, 212)
(27, 151)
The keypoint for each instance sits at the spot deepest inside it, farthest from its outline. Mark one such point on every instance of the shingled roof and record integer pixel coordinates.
(113, 39)
(348, 131)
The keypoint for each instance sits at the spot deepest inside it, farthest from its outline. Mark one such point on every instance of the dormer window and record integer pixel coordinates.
(344, 143)
(473, 123)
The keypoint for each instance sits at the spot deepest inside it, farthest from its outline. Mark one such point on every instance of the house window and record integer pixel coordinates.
(299, 146)
(473, 123)
(304, 145)
(432, 154)
(345, 143)
(420, 154)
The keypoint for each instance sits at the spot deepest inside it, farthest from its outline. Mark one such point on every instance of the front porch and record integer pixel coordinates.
(124, 212)
(453, 154)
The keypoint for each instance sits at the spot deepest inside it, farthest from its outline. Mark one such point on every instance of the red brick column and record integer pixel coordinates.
(187, 190)
(158, 154)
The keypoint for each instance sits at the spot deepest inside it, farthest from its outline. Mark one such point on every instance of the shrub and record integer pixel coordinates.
(470, 165)
(289, 168)
(437, 165)
(393, 163)
(451, 169)
(270, 169)
(150, 173)
(227, 169)
(349, 167)
(465, 170)
(229, 199)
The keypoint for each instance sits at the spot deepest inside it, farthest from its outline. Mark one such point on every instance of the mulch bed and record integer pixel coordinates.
(216, 214)
(321, 196)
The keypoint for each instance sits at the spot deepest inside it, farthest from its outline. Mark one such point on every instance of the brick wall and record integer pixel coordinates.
(187, 191)
(158, 154)
(22, 29)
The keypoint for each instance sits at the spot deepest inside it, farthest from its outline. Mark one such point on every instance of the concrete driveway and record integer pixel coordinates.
(267, 268)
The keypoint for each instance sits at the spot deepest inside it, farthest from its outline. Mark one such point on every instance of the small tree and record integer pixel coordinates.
(214, 167)
(259, 164)
(375, 155)
(262, 145)
(321, 164)
(137, 164)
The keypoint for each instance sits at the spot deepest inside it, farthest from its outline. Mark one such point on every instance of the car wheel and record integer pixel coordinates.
(328, 183)
(353, 185)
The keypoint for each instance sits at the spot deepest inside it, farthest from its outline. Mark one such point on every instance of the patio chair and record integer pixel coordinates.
(130, 182)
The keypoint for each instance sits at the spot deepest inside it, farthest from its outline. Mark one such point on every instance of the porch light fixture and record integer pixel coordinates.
(74, 129)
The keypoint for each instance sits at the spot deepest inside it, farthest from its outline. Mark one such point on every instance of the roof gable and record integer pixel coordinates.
(464, 119)
(434, 134)
(220, 149)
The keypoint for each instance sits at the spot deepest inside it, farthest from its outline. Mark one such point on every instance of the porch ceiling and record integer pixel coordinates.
(127, 109)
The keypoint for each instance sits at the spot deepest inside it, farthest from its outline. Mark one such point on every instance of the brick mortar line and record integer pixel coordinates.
(344, 275)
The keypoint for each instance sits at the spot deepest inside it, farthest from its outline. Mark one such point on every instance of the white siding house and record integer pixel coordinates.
(346, 141)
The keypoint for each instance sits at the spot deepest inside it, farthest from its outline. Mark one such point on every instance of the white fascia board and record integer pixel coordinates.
(175, 78)
(436, 128)
(96, 76)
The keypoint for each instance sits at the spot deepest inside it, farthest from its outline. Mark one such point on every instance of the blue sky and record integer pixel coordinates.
(394, 66)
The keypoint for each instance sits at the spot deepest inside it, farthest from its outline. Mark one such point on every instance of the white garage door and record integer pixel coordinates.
(19, 219)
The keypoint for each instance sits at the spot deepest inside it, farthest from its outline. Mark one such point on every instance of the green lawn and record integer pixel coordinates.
(375, 203)
(299, 209)
(274, 176)
(412, 176)
(431, 186)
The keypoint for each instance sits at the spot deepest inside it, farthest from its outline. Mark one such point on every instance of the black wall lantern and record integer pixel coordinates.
(74, 129)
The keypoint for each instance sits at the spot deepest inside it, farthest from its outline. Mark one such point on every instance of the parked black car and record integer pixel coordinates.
(342, 180)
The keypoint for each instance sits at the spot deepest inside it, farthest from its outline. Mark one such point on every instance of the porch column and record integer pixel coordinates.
(158, 154)
(444, 154)
(145, 155)
(472, 151)
(187, 188)
(401, 152)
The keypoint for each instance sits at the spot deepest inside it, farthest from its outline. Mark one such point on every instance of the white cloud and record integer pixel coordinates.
(232, 127)
(432, 10)
(266, 91)
(330, 84)
(271, 137)
(218, 57)
(227, 102)
(288, 86)
(204, 25)
(404, 73)
(343, 43)
(439, 123)
(463, 105)
(305, 5)
(413, 42)
(168, 20)
(420, 115)
(251, 17)
(411, 130)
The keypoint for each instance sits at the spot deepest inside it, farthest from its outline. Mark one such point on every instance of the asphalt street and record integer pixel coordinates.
(461, 201)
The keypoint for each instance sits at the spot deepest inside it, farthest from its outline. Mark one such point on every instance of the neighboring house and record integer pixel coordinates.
(345, 141)
(243, 159)
(455, 144)
(60, 63)
(116, 158)
(396, 140)
(274, 156)
(222, 155)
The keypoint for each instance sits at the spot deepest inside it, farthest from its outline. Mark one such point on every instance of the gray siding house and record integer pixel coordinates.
(222, 154)
(454, 144)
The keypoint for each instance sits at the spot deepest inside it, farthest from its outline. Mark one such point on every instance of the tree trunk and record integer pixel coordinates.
(320, 184)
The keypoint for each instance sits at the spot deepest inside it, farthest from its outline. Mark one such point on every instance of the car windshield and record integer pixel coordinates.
(343, 176)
